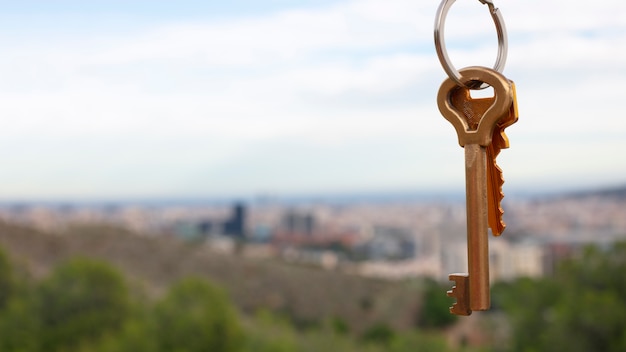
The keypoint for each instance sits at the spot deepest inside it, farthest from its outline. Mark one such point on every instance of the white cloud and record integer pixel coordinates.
(183, 97)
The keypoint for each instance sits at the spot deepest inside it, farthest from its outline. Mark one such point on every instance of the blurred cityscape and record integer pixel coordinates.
(384, 239)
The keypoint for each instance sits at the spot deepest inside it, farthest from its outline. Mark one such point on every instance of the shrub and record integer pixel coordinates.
(378, 333)
(81, 300)
(197, 316)
(435, 311)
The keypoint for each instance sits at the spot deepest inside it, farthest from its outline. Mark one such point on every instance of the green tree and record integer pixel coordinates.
(435, 312)
(339, 326)
(136, 335)
(416, 341)
(81, 301)
(592, 309)
(581, 309)
(197, 316)
(268, 332)
(529, 306)
(19, 318)
(20, 324)
(6, 279)
(378, 333)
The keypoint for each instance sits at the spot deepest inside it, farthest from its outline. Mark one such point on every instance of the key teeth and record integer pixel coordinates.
(499, 141)
(460, 291)
(501, 225)
(495, 181)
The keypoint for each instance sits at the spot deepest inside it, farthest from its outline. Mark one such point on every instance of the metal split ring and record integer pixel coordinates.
(440, 45)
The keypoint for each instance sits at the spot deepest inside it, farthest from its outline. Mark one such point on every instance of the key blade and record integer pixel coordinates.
(495, 178)
(460, 291)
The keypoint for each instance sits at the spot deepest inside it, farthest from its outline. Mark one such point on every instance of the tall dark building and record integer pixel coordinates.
(235, 225)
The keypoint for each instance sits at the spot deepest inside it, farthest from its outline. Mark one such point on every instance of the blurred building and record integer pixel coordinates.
(299, 223)
(510, 259)
(233, 226)
(387, 243)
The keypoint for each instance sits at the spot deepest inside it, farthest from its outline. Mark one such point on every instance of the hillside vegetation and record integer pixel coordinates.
(98, 289)
(306, 295)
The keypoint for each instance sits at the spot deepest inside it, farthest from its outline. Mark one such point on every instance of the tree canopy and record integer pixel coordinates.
(582, 308)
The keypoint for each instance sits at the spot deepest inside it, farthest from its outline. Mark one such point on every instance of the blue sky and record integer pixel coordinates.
(119, 99)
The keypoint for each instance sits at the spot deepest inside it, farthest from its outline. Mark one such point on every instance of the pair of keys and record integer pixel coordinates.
(480, 125)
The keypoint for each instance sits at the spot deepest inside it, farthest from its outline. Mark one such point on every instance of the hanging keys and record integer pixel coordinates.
(480, 125)
(475, 121)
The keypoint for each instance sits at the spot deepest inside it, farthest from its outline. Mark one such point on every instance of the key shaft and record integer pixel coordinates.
(477, 236)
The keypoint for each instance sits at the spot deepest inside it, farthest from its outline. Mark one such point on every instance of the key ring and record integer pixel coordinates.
(442, 53)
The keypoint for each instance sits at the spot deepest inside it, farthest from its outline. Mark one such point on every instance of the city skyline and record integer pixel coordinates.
(155, 99)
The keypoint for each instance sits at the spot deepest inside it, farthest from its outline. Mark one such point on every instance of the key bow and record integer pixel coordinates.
(460, 110)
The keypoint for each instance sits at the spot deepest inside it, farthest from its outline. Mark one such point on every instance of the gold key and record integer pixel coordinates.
(475, 121)
(495, 180)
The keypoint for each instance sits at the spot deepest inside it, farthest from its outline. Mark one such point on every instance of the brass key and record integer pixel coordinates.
(475, 121)
(495, 180)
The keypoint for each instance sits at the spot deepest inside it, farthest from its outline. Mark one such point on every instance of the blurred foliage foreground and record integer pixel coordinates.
(85, 305)
(581, 308)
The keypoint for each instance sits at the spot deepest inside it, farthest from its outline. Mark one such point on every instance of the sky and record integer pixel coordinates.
(138, 99)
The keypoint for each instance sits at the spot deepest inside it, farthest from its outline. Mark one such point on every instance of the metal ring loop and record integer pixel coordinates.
(440, 45)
